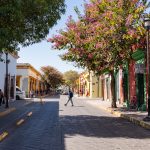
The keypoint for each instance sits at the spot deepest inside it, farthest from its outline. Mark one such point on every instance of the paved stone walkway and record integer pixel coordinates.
(54, 126)
(131, 115)
(87, 127)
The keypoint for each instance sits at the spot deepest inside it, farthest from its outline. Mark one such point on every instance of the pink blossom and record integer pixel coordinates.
(90, 56)
(129, 20)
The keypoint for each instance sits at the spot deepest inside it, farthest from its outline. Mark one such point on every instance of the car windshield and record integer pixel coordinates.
(18, 90)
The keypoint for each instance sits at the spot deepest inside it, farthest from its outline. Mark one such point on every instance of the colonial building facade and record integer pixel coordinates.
(29, 79)
(130, 84)
(93, 86)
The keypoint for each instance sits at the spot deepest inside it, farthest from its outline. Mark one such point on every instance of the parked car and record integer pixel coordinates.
(65, 93)
(58, 91)
(19, 93)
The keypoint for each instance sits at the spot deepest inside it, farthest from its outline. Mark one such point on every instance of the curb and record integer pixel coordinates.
(10, 110)
(127, 117)
(6, 112)
(136, 121)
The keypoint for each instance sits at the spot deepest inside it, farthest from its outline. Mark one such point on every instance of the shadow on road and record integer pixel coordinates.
(101, 127)
(46, 129)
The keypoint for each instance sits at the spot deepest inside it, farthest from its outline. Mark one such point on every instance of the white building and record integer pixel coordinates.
(12, 60)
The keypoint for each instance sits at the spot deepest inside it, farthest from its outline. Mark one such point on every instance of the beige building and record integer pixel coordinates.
(90, 85)
(29, 79)
(84, 84)
(95, 86)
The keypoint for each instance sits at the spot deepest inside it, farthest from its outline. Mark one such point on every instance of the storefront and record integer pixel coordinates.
(139, 79)
(29, 79)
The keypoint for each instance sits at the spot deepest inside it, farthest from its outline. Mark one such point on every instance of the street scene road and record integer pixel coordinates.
(53, 126)
(75, 75)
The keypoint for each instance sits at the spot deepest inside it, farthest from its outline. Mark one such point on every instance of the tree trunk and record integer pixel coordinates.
(113, 91)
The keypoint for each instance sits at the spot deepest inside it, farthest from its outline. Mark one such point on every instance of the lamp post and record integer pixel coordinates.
(147, 26)
(7, 61)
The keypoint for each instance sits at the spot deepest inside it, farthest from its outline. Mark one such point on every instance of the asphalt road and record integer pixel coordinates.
(53, 126)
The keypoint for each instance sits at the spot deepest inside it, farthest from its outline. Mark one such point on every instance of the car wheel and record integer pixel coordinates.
(17, 97)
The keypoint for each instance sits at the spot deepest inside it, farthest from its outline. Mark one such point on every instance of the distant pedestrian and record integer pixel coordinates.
(70, 98)
(1, 97)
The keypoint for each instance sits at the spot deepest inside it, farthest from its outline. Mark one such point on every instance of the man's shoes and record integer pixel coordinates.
(65, 104)
(72, 105)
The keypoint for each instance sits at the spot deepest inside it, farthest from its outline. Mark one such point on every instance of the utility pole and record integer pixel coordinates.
(147, 26)
(7, 61)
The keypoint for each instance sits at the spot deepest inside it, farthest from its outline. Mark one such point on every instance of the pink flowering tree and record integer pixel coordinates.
(104, 37)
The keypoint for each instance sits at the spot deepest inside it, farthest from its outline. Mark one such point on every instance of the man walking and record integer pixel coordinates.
(70, 98)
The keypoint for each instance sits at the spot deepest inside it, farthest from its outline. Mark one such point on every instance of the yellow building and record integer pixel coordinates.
(84, 84)
(90, 85)
(96, 86)
(29, 79)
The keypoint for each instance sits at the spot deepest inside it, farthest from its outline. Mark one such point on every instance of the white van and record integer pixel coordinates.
(19, 93)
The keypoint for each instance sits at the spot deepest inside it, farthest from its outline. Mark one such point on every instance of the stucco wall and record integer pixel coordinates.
(27, 74)
(95, 86)
(22, 72)
(2, 73)
(11, 70)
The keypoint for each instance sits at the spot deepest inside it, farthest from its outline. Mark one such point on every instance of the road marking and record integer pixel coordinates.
(3, 136)
(29, 114)
(20, 122)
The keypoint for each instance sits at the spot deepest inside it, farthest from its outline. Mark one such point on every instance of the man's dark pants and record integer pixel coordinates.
(70, 99)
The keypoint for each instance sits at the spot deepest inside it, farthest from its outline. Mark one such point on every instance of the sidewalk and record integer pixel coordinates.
(133, 116)
(13, 105)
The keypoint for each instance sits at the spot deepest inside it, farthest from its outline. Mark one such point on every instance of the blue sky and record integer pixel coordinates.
(41, 54)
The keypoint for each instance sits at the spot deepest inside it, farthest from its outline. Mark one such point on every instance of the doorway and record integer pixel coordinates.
(125, 87)
(12, 87)
(140, 89)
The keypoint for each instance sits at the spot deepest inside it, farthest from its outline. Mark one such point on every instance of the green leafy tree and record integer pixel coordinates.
(70, 77)
(52, 77)
(25, 22)
(105, 37)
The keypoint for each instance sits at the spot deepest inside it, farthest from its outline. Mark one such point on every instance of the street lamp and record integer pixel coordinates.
(147, 26)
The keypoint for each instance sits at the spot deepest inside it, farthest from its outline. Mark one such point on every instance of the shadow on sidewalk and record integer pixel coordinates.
(101, 127)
